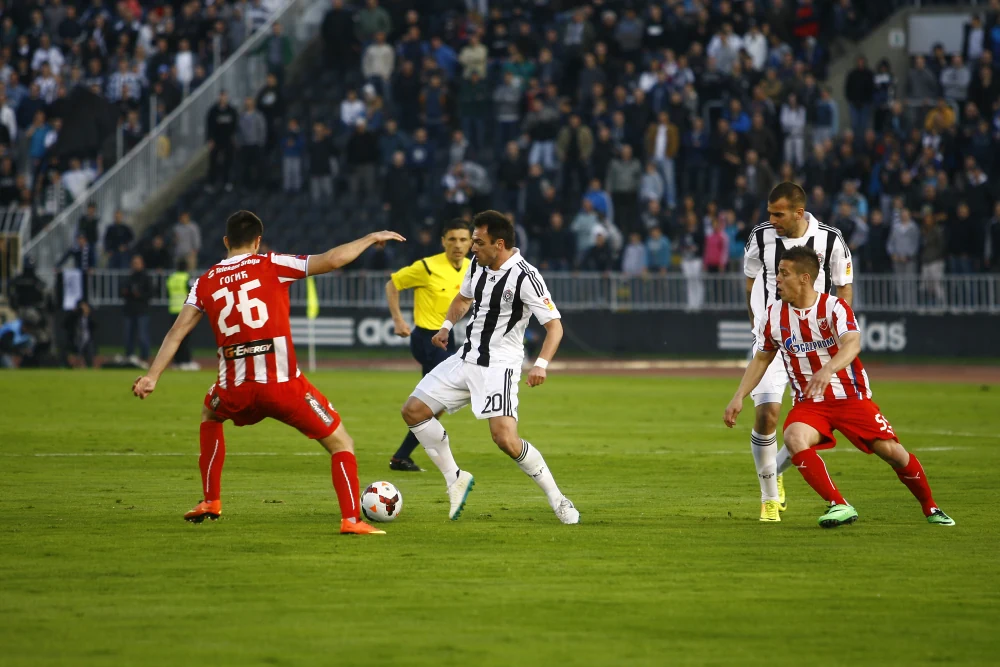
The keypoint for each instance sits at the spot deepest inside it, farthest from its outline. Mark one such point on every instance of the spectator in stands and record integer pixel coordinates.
(322, 163)
(220, 131)
(624, 174)
(964, 241)
(662, 144)
(137, 291)
(598, 257)
(252, 140)
(541, 124)
(696, 158)
(434, 102)
(506, 104)
(716, 257)
(406, 91)
(860, 92)
(80, 330)
(473, 57)
(992, 245)
(351, 109)
(651, 186)
(558, 245)
(156, 256)
(339, 40)
(903, 247)
(635, 260)
(187, 241)
(512, 173)
(921, 83)
(118, 238)
(362, 158)
(293, 148)
(955, 80)
(583, 227)
(277, 50)
(691, 248)
(474, 109)
(378, 64)
(398, 192)
(87, 225)
(659, 254)
(82, 254)
(421, 159)
(875, 258)
(271, 103)
(793, 125)
(933, 249)
(574, 148)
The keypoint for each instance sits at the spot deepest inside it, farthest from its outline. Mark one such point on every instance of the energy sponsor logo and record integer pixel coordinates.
(251, 349)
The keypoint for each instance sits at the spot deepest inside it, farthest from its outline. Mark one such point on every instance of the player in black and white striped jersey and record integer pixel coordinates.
(790, 225)
(503, 291)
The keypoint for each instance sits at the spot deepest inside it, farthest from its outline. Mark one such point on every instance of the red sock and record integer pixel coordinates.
(213, 455)
(344, 468)
(912, 475)
(814, 471)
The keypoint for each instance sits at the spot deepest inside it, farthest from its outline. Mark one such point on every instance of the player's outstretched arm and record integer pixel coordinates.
(553, 336)
(456, 311)
(751, 378)
(392, 298)
(185, 322)
(850, 348)
(333, 259)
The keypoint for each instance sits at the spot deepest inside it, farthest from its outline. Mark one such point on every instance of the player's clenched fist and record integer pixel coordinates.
(536, 376)
(440, 339)
(733, 411)
(143, 386)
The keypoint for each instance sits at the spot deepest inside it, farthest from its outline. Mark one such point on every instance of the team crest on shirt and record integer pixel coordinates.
(820, 256)
(508, 295)
(824, 326)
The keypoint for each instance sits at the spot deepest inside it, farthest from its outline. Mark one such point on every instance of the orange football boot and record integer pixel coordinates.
(206, 509)
(358, 528)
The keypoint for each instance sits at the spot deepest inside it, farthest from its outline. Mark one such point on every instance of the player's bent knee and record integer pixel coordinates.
(415, 411)
(891, 452)
(208, 415)
(796, 439)
(766, 418)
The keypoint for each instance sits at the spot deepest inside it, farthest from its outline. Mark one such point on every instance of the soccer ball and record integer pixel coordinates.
(381, 502)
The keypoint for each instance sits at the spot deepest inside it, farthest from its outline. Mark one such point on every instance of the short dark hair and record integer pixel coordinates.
(793, 192)
(498, 226)
(242, 228)
(805, 259)
(454, 223)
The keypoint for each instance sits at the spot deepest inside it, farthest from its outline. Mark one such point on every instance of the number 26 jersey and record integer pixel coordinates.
(245, 299)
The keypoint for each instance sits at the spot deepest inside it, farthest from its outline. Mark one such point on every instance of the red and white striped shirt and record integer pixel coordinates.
(807, 339)
(246, 301)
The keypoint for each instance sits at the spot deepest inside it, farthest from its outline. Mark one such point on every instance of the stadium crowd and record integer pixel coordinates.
(57, 56)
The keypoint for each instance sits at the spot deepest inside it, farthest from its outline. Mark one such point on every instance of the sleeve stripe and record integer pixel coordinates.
(532, 278)
(426, 268)
(291, 262)
(753, 234)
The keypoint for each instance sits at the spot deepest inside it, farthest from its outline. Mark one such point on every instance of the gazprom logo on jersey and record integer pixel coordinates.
(794, 347)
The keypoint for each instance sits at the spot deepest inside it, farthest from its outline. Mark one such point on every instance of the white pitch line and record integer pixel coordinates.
(963, 434)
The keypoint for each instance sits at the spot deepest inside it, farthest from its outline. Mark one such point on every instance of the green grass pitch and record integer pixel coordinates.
(670, 565)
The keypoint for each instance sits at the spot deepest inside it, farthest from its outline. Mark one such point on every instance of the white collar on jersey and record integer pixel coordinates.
(236, 259)
(802, 312)
(514, 259)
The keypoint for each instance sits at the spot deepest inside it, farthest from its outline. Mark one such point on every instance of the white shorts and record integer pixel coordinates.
(453, 384)
(771, 388)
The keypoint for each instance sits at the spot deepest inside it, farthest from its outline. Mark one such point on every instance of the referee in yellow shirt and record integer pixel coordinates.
(436, 281)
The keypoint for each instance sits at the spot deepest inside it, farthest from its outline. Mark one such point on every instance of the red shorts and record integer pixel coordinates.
(860, 421)
(296, 403)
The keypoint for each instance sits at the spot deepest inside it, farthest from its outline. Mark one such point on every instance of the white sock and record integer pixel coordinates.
(784, 460)
(434, 438)
(533, 465)
(765, 451)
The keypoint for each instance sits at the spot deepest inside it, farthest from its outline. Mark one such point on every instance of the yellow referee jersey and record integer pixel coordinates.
(435, 283)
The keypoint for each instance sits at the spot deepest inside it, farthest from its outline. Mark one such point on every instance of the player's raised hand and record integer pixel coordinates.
(733, 411)
(143, 386)
(818, 383)
(536, 376)
(402, 328)
(379, 238)
(440, 339)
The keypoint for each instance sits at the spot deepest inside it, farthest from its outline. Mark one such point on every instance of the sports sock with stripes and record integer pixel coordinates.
(533, 465)
(213, 456)
(765, 449)
(814, 471)
(434, 438)
(913, 476)
(344, 471)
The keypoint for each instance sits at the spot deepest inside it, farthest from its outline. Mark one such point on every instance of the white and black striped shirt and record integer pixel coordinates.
(503, 302)
(764, 249)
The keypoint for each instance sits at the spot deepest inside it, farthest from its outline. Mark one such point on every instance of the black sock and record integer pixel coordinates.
(405, 450)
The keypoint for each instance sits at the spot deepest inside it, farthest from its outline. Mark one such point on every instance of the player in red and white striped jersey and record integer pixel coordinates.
(819, 342)
(245, 298)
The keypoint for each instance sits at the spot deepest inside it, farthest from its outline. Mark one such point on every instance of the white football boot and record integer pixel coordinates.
(567, 512)
(458, 492)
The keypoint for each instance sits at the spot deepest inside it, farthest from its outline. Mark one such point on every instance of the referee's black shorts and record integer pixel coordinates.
(426, 354)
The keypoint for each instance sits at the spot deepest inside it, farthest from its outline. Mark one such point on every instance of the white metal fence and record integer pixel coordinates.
(979, 293)
(171, 146)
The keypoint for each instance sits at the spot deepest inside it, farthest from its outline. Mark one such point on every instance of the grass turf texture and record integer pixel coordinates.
(670, 564)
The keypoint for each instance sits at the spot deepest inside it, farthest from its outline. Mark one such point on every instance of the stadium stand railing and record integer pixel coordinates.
(978, 293)
(170, 147)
